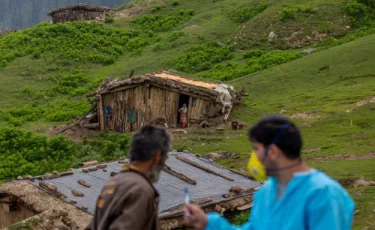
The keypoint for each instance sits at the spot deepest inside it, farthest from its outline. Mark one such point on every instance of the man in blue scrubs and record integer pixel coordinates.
(293, 197)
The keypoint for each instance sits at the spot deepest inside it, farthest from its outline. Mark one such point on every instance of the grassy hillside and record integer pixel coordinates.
(327, 93)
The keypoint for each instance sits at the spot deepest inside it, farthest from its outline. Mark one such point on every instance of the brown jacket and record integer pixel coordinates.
(127, 202)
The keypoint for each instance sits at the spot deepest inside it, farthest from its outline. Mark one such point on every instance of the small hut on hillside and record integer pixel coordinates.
(125, 105)
(80, 12)
(69, 198)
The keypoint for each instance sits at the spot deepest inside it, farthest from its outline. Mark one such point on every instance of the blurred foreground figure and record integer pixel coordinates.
(294, 196)
(129, 201)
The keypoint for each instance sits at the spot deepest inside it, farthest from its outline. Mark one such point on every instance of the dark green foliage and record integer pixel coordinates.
(369, 3)
(241, 218)
(244, 14)
(175, 2)
(202, 57)
(162, 22)
(271, 59)
(69, 43)
(287, 14)
(258, 60)
(23, 153)
(359, 14)
(109, 20)
(253, 53)
(156, 8)
(67, 110)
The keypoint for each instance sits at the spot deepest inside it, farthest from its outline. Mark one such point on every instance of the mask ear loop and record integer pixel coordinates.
(277, 136)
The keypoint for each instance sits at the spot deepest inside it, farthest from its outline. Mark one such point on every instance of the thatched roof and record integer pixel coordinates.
(81, 6)
(163, 80)
(39, 201)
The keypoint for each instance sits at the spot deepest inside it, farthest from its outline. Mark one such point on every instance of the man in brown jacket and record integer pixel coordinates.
(129, 201)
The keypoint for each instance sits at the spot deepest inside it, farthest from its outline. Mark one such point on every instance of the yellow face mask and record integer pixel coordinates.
(257, 168)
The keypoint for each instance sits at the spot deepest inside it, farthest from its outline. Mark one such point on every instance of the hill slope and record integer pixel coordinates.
(328, 93)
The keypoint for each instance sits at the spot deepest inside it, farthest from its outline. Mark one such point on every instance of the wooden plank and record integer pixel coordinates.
(180, 176)
(202, 167)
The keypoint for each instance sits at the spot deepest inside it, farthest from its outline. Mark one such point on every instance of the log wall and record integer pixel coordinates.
(19, 214)
(149, 102)
(76, 15)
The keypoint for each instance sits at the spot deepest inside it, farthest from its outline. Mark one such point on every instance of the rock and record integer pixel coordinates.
(356, 212)
(198, 155)
(101, 166)
(348, 27)
(93, 169)
(236, 125)
(348, 111)
(125, 161)
(220, 129)
(77, 193)
(229, 195)
(186, 151)
(73, 201)
(236, 190)
(70, 170)
(85, 170)
(282, 111)
(174, 151)
(104, 170)
(83, 183)
(271, 36)
(214, 156)
(308, 51)
(19, 178)
(48, 174)
(85, 207)
(55, 173)
(114, 173)
(52, 187)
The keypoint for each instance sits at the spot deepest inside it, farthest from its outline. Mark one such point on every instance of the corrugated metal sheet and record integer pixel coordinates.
(170, 187)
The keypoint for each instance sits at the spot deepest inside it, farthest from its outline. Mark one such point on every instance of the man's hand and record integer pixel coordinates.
(195, 216)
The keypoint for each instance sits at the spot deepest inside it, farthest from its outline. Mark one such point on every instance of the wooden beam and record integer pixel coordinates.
(180, 176)
(202, 167)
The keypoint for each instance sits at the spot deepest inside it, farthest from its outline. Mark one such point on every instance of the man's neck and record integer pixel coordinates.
(141, 167)
(284, 177)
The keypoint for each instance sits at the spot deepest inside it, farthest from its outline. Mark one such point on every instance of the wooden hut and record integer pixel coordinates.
(21, 201)
(80, 12)
(125, 105)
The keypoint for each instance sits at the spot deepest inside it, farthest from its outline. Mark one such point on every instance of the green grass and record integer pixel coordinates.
(325, 84)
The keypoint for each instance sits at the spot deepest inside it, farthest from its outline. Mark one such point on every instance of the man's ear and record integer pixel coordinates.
(157, 158)
(274, 152)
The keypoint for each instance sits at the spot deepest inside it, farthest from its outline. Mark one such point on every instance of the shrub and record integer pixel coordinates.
(244, 14)
(369, 3)
(253, 53)
(359, 14)
(66, 110)
(24, 153)
(271, 59)
(287, 14)
(109, 20)
(258, 60)
(162, 22)
(175, 2)
(67, 44)
(201, 57)
(241, 218)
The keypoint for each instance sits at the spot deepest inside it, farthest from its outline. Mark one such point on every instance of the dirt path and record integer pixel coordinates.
(342, 157)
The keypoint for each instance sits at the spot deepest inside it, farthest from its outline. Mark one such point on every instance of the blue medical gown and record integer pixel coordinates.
(311, 201)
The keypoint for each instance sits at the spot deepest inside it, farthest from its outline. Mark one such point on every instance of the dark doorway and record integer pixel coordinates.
(184, 99)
